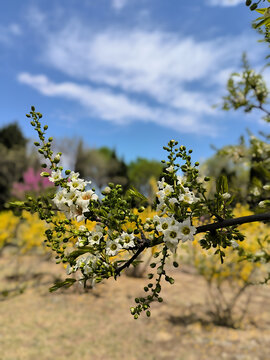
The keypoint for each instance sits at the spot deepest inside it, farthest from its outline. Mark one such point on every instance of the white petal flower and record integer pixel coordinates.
(55, 176)
(226, 196)
(170, 169)
(186, 230)
(164, 223)
(161, 184)
(171, 237)
(94, 238)
(128, 240)
(113, 247)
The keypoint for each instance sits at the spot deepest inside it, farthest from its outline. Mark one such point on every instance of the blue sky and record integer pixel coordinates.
(128, 74)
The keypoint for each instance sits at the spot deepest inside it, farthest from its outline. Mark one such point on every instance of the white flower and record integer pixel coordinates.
(187, 197)
(266, 187)
(55, 176)
(226, 196)
(73, 176)
(186, 230)
(235, 245)
(77, 184)
(161, 184)
(170, 169)
(168, 190)
(94, 239)
(171, 237)
(173, 201)
(60, 200)
(80, 242)
(84, 198)
(181, 180)
(261, 204)
(113, 247)
(164, 223)
(107, 190)
(128, 240)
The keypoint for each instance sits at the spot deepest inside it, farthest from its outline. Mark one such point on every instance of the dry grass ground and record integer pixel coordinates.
(97, 325)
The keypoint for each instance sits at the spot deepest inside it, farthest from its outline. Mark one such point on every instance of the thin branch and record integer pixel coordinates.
(233, 222)
(145, 243)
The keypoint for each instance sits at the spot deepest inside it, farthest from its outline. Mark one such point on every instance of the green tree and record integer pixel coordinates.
(13, 159)
(101, 166)
(141, 172)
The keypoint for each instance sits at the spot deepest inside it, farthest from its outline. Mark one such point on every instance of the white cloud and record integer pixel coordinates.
(119, 4)
(116, 108)
(137, 74)
(225, 2)
(7, 33)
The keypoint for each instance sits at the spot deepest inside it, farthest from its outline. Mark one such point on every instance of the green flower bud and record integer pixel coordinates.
(133, 311)
(148, 313)
(253, 7)
(248, 2)
(45, 127)
(33, 108)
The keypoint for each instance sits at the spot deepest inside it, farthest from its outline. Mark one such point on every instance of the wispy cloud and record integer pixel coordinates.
(116, 108)
(138, 74)
(8, 33)
(225, 2)
(119, 4)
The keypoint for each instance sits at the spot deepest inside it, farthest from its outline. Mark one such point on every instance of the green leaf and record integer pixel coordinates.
(72, 256)
(66, 283)
(135, 193)
(222, 184)
(262, 10)
(263, 22)
(17, 203)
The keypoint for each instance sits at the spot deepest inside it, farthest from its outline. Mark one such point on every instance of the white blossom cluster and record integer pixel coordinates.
(112, 245)
(172, 230)
(169, 195)
(73, 200)
(88, 264)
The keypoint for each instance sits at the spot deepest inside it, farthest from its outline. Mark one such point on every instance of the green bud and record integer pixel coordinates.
(50, 139)
(148, 313)
(33, 108)
(40, 151)
(44, 174)
(28, 115)
(141, 209)
(36, 143)
(45, 127)
(153, 265)
(197, 163)
(207, 178)
(146, 289)
(253, 7)
(160, 299)
(136, 316)
(248, 2)
(137, 300)
(175, 264)
(32, 123)
(133, 311)
(150, 276)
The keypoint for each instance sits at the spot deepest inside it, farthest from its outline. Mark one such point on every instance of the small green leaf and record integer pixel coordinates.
(66, 283)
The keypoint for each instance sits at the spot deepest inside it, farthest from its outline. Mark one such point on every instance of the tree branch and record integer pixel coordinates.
(145, 243)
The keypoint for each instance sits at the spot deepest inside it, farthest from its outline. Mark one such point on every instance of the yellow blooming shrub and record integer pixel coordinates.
(8, 227)
(26, 232)
(234, 268)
